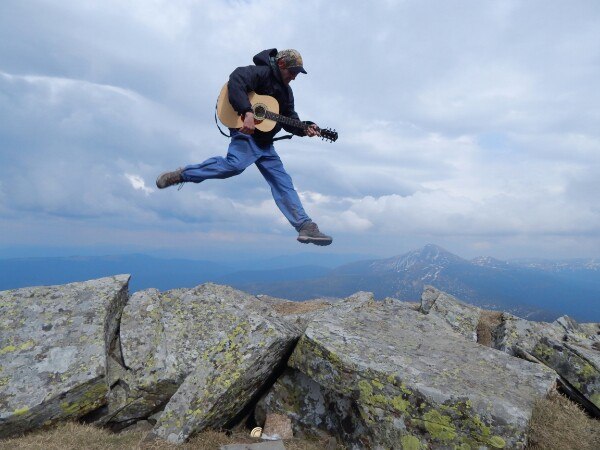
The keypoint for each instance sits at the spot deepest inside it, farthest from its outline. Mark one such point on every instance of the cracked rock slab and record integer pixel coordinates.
(399, 376)
(53, 350)
(227, 376)
(516, 333)
(579, 365)
(184, 339)
(570, 348)
(463, 318)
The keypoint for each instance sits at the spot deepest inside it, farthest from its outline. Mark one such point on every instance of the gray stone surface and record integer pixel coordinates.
(401, 303)
(570, 348)
(53, 350)
(463, 318)
(586, 333)
(299, 314)
(311, 406)
(591, 331)
(380, 375)
(568, 324)
(277, 426)
(515, 333)
(274, 445)
(577, 364)
(226, 377)
(177, 343)
(154, 362)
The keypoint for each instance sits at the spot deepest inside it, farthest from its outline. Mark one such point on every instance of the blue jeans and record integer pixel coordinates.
(242, 152)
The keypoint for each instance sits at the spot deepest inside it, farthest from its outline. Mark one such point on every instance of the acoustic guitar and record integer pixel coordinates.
(266, 115)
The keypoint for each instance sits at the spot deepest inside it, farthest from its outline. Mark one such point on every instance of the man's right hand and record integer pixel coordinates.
(248, 127)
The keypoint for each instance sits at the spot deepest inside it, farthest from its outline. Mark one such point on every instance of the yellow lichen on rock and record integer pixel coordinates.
(439, 426)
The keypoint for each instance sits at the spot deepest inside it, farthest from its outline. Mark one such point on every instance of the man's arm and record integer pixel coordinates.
(242, 81)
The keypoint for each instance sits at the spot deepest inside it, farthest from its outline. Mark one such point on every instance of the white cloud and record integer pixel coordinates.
(474, 125)
(138, 183)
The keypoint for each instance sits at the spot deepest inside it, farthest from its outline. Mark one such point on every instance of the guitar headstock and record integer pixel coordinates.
(328, 134)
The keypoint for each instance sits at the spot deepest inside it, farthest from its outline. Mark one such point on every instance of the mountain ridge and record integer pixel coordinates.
(534, 292)
(533, 288)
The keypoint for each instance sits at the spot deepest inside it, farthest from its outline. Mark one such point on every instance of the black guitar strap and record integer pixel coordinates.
(217, 122)
(287, 136)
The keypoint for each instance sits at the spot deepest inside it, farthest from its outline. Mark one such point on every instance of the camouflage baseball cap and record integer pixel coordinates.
(291, 59)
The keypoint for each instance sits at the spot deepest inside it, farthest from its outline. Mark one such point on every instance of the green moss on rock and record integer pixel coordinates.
(439, 426)
(410, 442)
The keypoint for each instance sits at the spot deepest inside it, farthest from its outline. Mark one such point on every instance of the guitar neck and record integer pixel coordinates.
(286, 120)
(325, 133)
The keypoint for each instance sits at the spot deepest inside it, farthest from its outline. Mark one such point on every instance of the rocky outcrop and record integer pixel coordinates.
(515, 335)
(463, 318)
(578, 365)
(374, 374)
(236, 360)
(175, 341)
(592, 332)
(570, 348)
(53, 351)
(381, 374)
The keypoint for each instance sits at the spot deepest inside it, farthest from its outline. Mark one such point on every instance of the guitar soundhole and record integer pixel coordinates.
(260, 111)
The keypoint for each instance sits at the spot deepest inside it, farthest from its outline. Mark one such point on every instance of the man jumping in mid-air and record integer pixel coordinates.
(271, 75)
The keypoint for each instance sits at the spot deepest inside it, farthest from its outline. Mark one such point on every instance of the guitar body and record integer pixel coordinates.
(230, 118)
(266, 115)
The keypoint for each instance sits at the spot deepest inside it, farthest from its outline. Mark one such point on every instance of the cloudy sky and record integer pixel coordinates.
(474, 125)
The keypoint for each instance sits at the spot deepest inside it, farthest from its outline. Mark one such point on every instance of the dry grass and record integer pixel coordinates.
(488, 322)
(559, 424)
(75, 436)
(556, 424)
(72, 436)
(300, 307)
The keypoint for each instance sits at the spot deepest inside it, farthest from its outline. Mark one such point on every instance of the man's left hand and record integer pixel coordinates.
(313, 130)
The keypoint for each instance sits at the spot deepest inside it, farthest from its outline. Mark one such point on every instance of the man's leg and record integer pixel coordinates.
(287, 199)
(282, 188)
(240, 154)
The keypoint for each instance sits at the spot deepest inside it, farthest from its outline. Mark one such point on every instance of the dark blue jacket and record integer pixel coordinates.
(264, 78)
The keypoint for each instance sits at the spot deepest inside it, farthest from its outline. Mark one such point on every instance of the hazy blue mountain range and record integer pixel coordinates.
(537, 289)
(542, 290)
(163, 273)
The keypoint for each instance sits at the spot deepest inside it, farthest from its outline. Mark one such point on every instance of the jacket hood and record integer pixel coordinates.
(264, 58)
(267, 58)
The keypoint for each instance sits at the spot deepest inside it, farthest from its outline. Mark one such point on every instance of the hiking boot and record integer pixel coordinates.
(310, 234)
(167, 179)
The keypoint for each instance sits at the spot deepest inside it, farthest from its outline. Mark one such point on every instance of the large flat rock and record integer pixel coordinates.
(173, 340)
(394, 376)
(227, 376)
(53, 350)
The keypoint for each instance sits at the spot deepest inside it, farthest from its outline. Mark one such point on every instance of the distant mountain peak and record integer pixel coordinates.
(429, 255)
(434, 252)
